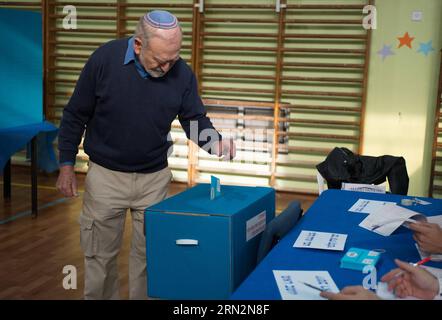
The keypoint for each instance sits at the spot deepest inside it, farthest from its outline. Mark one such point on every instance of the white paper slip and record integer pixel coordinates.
(420, 201)
(255, 225)
(368, 206)
(321, 240)
(383, 293)
(363, 187)
(435, 219)
(435, 271)
(386, 219)
(423, 254)
(298, 285)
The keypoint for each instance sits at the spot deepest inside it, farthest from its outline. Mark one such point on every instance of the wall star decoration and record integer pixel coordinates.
(426, 48)
(385, 52)
(406, 40)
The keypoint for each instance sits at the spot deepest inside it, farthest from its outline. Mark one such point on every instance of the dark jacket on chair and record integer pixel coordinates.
(341, 165)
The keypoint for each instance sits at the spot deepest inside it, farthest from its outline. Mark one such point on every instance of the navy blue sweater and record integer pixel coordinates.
(127, 118)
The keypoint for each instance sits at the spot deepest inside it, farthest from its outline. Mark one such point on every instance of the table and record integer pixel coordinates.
(15, 139)
(329, 213)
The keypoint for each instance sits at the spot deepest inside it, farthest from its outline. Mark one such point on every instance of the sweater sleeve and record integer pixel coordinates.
(77, 113)
(194, 120)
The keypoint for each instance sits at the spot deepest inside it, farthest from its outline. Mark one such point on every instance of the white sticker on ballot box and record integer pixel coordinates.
(255, 225)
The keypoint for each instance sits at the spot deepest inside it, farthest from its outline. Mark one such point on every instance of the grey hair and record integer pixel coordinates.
(145, 32)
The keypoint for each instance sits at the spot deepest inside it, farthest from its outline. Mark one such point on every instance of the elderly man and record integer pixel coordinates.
(126, 98)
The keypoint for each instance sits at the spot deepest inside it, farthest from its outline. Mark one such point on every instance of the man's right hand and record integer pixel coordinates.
(67, 183)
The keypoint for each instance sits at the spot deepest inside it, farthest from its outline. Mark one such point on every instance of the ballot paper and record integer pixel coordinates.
(368, 206)
(363, 187)
(215, 187)
(386, 219)
(321, 240)
(294, 285)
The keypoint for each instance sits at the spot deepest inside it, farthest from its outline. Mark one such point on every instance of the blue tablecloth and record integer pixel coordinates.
(330, 213)
(16, 138)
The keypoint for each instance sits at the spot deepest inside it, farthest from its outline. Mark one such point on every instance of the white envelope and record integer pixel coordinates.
(386, 219)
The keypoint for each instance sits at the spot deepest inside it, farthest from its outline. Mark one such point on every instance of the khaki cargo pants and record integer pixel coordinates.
(108, 195)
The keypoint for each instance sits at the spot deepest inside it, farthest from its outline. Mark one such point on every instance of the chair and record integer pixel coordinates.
(278, 228)
(321, 182)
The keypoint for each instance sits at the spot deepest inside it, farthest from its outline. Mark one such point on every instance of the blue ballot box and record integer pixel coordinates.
(198, 248)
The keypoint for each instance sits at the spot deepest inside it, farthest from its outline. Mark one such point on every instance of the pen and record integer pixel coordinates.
(313, 287)
(414, 265)
(422, 261)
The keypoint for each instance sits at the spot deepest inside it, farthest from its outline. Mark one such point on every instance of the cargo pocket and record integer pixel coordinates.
(88, 239)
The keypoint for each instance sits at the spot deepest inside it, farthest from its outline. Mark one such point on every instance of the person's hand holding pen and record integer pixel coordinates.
(411, 280)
